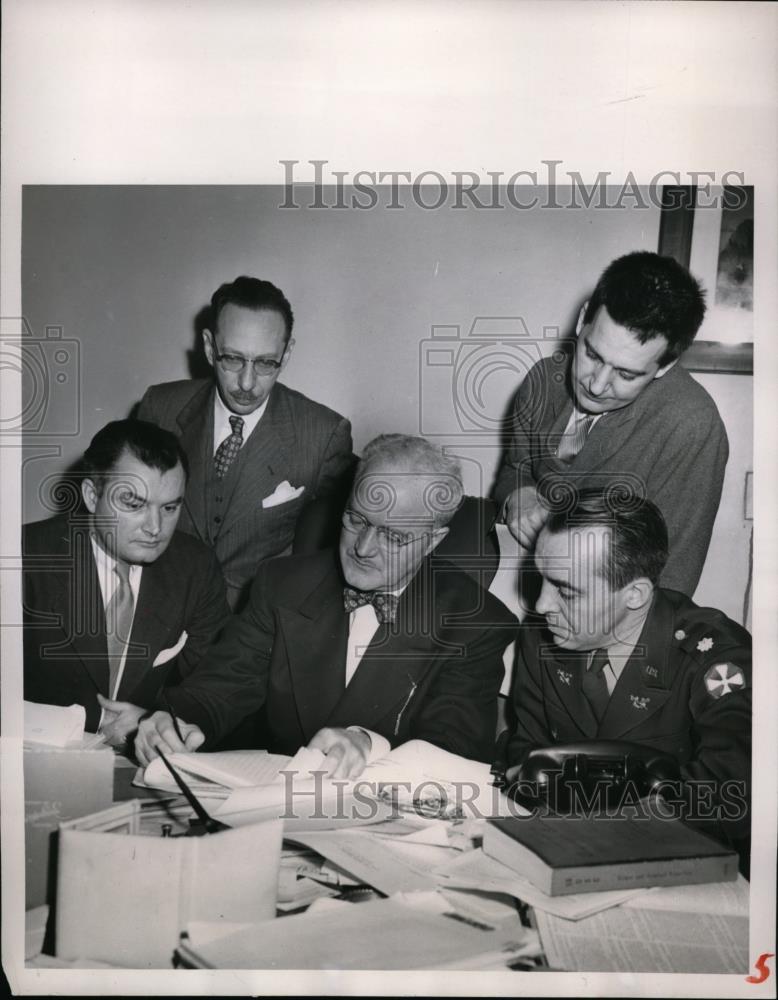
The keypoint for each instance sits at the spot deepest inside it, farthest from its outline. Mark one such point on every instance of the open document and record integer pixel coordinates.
(693, 929)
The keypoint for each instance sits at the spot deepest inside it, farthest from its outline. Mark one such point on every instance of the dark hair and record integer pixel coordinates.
(251, 293)
(151, 445)
(638, 534)
(652, 296)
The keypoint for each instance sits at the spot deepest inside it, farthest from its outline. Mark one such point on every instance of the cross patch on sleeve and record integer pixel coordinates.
(724, 678)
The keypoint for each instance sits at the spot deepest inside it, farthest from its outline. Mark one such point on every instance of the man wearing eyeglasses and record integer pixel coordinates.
(354, 651)
(258, 451)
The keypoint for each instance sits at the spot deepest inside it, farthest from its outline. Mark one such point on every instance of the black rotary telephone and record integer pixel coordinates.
(568, 775)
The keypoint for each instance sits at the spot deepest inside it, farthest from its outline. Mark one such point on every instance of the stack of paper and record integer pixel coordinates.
(475, 870)
(58, 726)
(384, 934)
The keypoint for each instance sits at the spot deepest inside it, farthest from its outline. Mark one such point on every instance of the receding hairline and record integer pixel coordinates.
(252, 309)
(605, 531)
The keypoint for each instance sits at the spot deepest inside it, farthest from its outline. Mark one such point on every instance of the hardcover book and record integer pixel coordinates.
(563, 855)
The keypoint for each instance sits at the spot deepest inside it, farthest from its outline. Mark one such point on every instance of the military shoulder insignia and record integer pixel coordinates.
(638, 702)
(724, 678)
(705, 644)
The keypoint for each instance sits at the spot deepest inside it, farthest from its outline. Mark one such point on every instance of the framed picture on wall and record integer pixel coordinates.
(716, 242)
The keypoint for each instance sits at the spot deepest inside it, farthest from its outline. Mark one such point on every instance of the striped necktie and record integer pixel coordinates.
(228, 450)
(118, 623)
(594, 685)
(573, 441)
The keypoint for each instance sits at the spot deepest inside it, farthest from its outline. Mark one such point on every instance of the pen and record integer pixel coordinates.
(208, 823)
(172, 715)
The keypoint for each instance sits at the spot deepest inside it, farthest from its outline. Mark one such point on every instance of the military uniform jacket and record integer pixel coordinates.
(686, 690)
(434, 674)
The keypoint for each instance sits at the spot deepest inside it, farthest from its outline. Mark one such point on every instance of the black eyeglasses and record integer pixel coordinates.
(352, 521)
(236, 363)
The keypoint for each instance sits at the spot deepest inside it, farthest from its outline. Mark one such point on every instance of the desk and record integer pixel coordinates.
(574, 947)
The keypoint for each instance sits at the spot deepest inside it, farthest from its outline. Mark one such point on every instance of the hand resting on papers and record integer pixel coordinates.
(158, 731)
(346, 751)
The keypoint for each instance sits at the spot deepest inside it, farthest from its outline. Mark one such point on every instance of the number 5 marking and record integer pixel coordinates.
(761, 965)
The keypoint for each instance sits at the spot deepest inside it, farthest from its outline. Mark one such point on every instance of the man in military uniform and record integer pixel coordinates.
(615, 657)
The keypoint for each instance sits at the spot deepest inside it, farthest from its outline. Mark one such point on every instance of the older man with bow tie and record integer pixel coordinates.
(354, 651)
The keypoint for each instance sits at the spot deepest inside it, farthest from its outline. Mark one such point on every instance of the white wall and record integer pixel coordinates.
(124, 271)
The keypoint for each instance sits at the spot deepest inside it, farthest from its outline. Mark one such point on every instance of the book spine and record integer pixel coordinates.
(641, 875)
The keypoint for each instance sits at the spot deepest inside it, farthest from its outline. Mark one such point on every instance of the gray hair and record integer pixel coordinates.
(441, 475)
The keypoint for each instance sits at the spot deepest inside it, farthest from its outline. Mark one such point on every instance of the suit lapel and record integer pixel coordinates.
(315, 637)
(196, 425)
(78, 604)
(644, 685)
(264, 460)
(398, 658)
(155, 616)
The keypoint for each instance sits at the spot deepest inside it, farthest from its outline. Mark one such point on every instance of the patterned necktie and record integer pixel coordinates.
(118, 623)
(229, 448)
(572, 442)
(594, 684)
(385, 604)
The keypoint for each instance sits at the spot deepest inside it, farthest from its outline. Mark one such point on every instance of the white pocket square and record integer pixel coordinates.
(283, 493)
(164, 655)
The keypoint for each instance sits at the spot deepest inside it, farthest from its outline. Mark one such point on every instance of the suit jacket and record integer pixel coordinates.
(433, 675)
(65, 652)
(670, 442)
(296, 440)
(686, 690)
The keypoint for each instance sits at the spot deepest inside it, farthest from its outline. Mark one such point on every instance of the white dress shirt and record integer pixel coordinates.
(222, 428)
(363, 625)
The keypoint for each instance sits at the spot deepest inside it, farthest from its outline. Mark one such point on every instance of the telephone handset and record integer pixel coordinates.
(560, 776)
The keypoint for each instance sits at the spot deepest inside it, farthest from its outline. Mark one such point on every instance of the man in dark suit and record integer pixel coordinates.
(354, 653)
(620, 410)
(116, 602)
(614, 657)
(258, 451)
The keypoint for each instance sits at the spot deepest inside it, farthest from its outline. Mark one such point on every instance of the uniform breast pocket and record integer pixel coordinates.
(677, 743)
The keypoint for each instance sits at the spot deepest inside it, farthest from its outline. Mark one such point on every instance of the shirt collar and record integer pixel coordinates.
(622, 649)
(221, 420)
(106, 564)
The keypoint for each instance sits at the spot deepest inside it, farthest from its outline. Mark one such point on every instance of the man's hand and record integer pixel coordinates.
(120, 720)
(157, 732)
(347, 751)
(525, 516)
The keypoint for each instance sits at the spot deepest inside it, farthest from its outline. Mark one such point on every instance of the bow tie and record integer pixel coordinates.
(385, 604)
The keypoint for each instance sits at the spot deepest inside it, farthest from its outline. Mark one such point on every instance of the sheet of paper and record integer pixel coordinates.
(232, 768)
(474, 870)
(730, 898)
(383, 934)
(373, 860)
(54, 725)
(631, 940)
(206, 790)
(419, 761)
